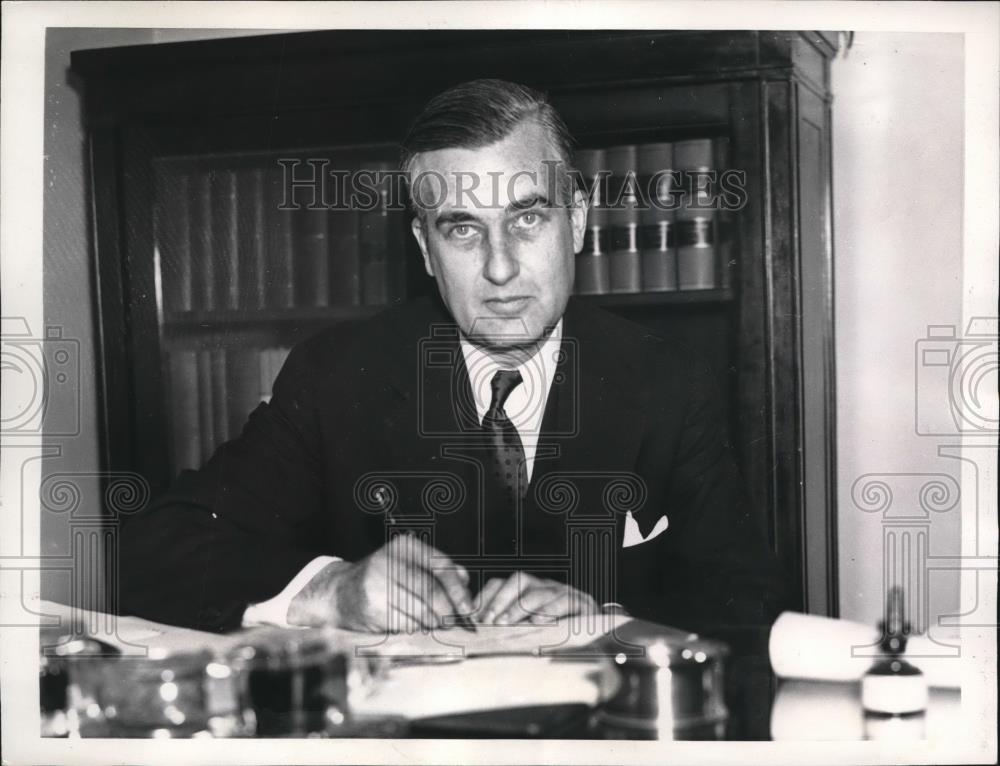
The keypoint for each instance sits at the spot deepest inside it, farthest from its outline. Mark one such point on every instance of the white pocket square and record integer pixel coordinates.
(632, 534)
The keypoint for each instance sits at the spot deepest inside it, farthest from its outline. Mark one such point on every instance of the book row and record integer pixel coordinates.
(211, 394)
(228, 239)
(657, 217)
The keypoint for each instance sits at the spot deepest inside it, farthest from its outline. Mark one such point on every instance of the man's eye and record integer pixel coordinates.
(528, 219)
(462, 231)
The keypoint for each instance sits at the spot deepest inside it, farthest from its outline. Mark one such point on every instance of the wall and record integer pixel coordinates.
(898, 184)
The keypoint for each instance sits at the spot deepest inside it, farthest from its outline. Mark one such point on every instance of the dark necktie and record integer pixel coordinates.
(506, 473)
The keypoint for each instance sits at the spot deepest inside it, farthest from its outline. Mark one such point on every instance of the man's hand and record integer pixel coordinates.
(404, 586)
(521, 597)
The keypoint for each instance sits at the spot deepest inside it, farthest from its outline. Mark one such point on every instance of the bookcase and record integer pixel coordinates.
(206, 274)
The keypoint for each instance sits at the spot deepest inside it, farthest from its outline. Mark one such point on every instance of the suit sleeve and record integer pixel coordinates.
(721, 577)
(237, 531)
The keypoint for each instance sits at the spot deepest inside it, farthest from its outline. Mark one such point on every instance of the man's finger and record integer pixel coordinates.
(408, 563)
(456, 589)
(407, 592)
(398, 621)
(506, 595)
(486, 594)
(558, 607)
(568, 603)
(418, 554)
(442, 600)
(529, 602)
(414, 606)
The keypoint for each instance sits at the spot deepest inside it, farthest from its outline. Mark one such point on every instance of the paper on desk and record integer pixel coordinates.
(134, 635)
(569, 633)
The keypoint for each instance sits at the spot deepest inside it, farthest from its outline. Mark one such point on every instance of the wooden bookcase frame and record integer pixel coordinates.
(768, 91)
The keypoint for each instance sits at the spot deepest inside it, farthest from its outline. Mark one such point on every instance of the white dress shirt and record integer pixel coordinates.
(525, 407)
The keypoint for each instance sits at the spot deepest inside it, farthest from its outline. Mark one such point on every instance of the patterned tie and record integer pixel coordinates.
(506, 474)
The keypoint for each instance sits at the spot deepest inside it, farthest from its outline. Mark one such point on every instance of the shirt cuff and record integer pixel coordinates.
(274, 611)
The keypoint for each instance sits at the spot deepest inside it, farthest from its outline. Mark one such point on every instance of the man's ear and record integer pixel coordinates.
(420, 234)
(578, 219)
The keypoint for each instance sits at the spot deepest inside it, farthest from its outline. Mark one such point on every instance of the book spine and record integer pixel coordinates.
(202, 257)
(280, 244)
(656, 233)
(242, 385)
(253, 237)
(345, 260)
(225, 240)
(220, 398)
(183, 367)
(173, 233)
(375, 276)
(381, 246)
(312, 257)
(206, 423)
(398, 233)
(592, 274)
(623, 219)
(695, 233)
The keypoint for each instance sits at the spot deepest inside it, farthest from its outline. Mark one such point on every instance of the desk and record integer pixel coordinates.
(759, 706)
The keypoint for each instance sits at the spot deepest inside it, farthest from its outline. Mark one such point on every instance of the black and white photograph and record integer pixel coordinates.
(543, 382)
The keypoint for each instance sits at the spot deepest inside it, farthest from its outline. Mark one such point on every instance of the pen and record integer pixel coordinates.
(462, 621)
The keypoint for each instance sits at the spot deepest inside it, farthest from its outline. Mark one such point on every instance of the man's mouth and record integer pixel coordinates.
(509, 306)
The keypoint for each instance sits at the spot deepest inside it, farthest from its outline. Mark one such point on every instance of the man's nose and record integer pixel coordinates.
(501, 260)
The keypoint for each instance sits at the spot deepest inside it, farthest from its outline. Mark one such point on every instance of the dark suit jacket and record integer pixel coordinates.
(376, 419)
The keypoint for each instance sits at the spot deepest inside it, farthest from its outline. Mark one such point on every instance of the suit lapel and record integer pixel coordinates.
(426, 406)
(429, 378)
(593, 424)
(449, 424)
(595, 413)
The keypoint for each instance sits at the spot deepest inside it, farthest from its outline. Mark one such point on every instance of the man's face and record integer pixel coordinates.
(499, 246)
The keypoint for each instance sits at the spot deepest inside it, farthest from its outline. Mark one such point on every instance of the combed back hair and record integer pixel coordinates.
(478, 113)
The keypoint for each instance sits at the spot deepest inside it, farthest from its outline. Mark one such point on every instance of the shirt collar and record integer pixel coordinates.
(536, 374)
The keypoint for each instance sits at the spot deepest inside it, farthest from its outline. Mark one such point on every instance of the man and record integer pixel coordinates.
(528, 410)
